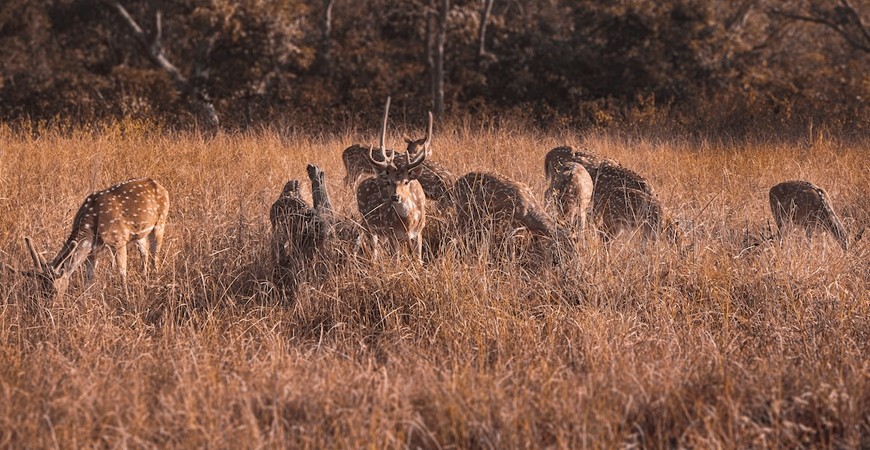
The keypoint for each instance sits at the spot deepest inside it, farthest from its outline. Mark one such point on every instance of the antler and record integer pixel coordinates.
(38, 260)
(429, 133)
(386, 161)
(418, 159)
(9, 268)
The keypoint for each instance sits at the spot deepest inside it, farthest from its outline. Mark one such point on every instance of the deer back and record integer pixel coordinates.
(482, 196)
(805, 204)
(556, 158)
(627, 209)
(119, 214)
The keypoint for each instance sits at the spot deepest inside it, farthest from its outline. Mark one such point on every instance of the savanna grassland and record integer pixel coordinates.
(705, 345)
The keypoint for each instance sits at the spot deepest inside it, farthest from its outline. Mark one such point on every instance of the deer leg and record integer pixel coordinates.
(142, 246)
(155, 238)
(373, 239)
(90, 267)
(121, 260)
(418, 247)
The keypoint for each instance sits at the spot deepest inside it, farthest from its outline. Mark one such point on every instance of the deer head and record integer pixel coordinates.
(53, 279)
(398, 175)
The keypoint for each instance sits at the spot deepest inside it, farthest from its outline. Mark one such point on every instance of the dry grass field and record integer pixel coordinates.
(705, 346)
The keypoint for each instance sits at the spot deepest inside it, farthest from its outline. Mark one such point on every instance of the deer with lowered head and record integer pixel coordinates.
(801, 203)
(132, 211)
(393, 204)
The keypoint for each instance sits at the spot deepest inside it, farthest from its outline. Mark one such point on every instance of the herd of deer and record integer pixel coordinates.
(392, 200)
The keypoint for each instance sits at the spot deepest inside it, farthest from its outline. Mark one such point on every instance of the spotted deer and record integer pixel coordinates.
(489, 197)
(393, 204)
(570, 193)
(132, 211)
(628, 210)
(555, 158)
(622, 199)
(296, 227)
(435, 179)
(801, 203)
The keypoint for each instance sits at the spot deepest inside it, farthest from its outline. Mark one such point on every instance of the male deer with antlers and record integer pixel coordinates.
(435, 179)
(393, 203)
(135, 210)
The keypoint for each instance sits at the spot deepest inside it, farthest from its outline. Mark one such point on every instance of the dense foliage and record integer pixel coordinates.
(703, 65)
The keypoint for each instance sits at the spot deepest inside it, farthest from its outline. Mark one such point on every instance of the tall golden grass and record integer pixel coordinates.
(653, 347)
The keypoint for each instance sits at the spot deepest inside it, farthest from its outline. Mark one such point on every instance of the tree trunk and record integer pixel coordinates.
(484, 18)
(438, 65)
(325, 50)
(153, 49)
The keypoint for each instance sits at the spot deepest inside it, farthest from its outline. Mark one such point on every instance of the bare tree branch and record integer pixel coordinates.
(484, 18)
(825, 19)
(857, 18)
(153, 49)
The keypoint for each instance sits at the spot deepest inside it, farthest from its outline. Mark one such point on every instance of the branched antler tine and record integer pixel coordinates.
(379, 164)
(418, 159)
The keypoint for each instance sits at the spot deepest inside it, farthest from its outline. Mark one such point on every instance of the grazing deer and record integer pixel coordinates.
(621, 198)
(482, 197)
(393, 203)
(628, 210)
(606, 173)
(435, 179)
(801, 203)
(556, 158)
(135, 210)
(570, 192)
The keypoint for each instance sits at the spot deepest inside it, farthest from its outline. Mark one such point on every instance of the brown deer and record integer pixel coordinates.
(801, 203)
(555, 158)
(622, 210)
(622, 199)
(607, 173)
(290, 219)
(435, 179)
(135, 210)
(393, 204)
(570, 193)
(483, 197)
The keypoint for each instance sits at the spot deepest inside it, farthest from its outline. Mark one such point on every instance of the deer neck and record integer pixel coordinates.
(78, 245)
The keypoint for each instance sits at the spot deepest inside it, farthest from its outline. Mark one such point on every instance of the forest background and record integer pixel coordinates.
(726, 67)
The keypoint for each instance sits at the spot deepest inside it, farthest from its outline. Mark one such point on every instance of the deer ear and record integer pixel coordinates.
(415, 173)
(407, 139)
